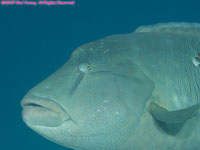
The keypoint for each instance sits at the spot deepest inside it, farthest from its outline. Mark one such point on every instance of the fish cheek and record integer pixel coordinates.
(97, 97)
(108, 107)
(134, 88)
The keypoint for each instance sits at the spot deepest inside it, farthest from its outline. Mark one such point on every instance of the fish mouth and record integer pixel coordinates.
(39, 111)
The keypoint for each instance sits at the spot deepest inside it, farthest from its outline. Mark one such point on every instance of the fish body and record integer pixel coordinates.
(124, 92)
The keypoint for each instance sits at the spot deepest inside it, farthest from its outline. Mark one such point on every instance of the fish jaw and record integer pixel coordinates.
(39, 111)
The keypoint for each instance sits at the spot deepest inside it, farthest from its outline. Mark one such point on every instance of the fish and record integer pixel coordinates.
(132, 91)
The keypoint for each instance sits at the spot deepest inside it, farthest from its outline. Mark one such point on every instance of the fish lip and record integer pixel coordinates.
(36, 101)
(32, 102)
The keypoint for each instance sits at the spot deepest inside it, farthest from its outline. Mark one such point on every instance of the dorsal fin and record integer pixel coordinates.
(175, 27)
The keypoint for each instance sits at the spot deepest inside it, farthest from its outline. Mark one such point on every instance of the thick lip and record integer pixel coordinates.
(36, 101)
(32, 102)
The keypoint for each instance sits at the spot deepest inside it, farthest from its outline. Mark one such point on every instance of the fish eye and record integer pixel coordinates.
(84, 67)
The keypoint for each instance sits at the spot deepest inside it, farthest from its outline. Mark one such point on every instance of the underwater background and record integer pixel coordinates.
(36, 40)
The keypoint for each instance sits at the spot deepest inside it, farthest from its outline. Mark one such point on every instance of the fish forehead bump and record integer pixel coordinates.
(105, 50)
(91, 50)
(172, 27)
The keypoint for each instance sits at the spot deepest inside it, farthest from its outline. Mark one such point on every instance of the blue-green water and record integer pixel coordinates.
(35, 41)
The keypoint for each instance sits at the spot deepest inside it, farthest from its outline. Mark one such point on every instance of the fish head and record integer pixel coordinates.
(94, 101)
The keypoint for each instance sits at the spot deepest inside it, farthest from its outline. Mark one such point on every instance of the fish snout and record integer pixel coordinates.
(39, 111)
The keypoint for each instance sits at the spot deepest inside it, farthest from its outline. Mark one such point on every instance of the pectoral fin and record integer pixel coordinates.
(178, 116)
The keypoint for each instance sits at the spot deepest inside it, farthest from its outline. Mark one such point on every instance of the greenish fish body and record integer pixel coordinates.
(137, 91)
